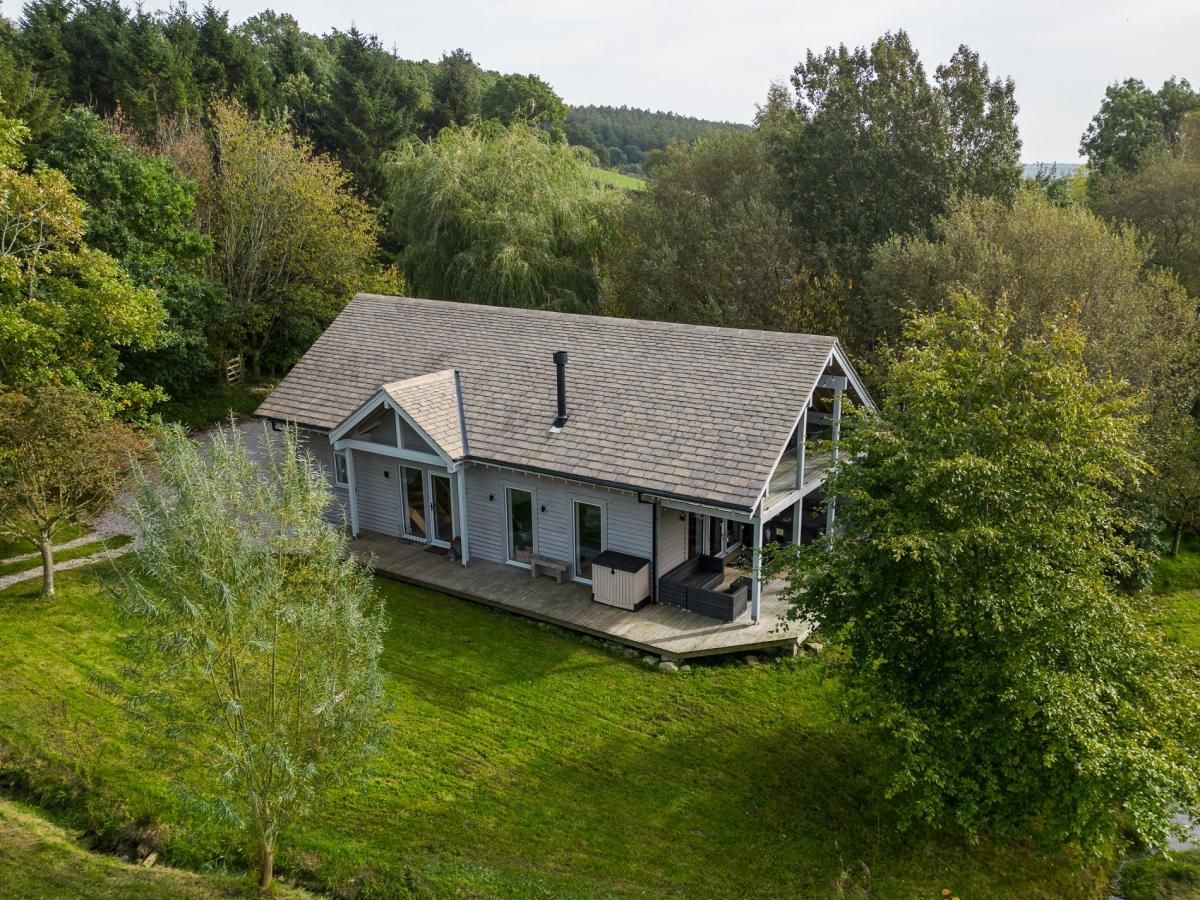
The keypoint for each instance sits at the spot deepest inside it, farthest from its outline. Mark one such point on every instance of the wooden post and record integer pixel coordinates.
(464, 546)
(352, 490)
(756, 569)
(830, 502)
(801, 439)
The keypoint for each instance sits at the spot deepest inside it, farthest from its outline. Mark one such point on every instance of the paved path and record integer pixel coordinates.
(29, 574)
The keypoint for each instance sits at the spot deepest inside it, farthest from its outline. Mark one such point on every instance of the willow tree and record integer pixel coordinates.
(973, 583)
(256, 635)
(501, 216)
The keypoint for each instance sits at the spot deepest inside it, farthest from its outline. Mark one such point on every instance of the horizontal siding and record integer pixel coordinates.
(672, 539)
(377, 479)
(628, 524)
(317, 444)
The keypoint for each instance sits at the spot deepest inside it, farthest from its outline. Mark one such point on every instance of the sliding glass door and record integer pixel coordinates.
(520, 515)
(589, 538)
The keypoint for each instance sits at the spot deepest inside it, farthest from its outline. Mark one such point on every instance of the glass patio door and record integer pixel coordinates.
(519, 510)
(589, 538)
(416, 526)
(441, 519)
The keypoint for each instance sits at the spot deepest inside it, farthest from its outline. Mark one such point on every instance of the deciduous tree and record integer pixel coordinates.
(875, 148)
(141, 211)
(67, 310)
(63, 459)
(972, 582)
(256, 634)
(710, 242)
(1134, 120)
(292, 242)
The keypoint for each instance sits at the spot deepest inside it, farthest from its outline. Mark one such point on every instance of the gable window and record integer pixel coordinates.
(341, 473)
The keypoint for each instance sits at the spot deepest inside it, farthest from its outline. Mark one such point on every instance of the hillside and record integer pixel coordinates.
(622, 136)
(1059, 169)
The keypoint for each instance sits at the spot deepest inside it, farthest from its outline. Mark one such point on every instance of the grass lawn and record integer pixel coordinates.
(1163, 878)
(1174, 877)
(618, 179)
(212, 404)
(35, 852)
(523, 763)
(119, 540)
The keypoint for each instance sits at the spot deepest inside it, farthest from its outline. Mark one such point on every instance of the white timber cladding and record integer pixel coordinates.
(672, 538)
(628, 523)
(377, 482)
(317, 443)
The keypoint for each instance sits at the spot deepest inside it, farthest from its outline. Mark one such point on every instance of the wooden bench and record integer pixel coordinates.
(538, 564)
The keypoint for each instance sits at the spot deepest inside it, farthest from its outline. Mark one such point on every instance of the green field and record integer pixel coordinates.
(618, 179)
(524, 762)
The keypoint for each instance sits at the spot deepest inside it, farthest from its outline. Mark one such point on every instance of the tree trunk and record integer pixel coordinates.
(47, 549)
(1178, 538)
(266, 863)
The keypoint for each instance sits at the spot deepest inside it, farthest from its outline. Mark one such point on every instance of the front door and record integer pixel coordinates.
(441, 518)
(589, 538)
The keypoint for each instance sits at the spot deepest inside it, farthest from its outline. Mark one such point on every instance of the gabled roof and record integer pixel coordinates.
(434, 404)
(688, 411)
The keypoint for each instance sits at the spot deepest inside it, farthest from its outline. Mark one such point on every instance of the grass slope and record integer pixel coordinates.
(523, 762)
(39, 859)
(617, 179)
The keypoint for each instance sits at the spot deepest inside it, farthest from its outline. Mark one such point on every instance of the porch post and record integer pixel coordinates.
(830, 502)
(756, 569)
(352, 490)
(801, 441)
(460, 480)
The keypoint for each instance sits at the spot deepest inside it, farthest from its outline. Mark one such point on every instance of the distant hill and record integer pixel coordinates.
(622, 136)
(1060, 170)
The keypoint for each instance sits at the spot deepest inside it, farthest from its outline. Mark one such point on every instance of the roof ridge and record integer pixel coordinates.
(649, 324)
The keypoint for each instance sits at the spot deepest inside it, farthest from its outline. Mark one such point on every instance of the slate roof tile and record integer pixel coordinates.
(694, 411)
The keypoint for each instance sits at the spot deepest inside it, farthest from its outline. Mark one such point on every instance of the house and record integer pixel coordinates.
(632, 457)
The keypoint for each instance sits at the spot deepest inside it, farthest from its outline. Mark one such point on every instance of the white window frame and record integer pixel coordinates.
(339, 457)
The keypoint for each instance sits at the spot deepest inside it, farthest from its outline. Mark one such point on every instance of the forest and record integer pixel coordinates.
(622, 137)
(179, 192)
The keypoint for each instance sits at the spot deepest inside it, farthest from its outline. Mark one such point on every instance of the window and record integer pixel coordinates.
(341, 473)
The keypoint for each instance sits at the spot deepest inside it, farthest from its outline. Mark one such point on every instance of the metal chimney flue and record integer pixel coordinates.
(560, 363)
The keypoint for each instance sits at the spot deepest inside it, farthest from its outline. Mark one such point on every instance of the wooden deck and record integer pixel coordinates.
(662, 630)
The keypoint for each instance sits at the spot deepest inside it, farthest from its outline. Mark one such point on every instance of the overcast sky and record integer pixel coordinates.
(716, 59)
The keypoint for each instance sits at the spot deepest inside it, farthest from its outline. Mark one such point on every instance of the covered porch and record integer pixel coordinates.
(655, 628)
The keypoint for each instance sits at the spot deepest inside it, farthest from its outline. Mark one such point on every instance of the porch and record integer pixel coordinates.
(655, 628)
